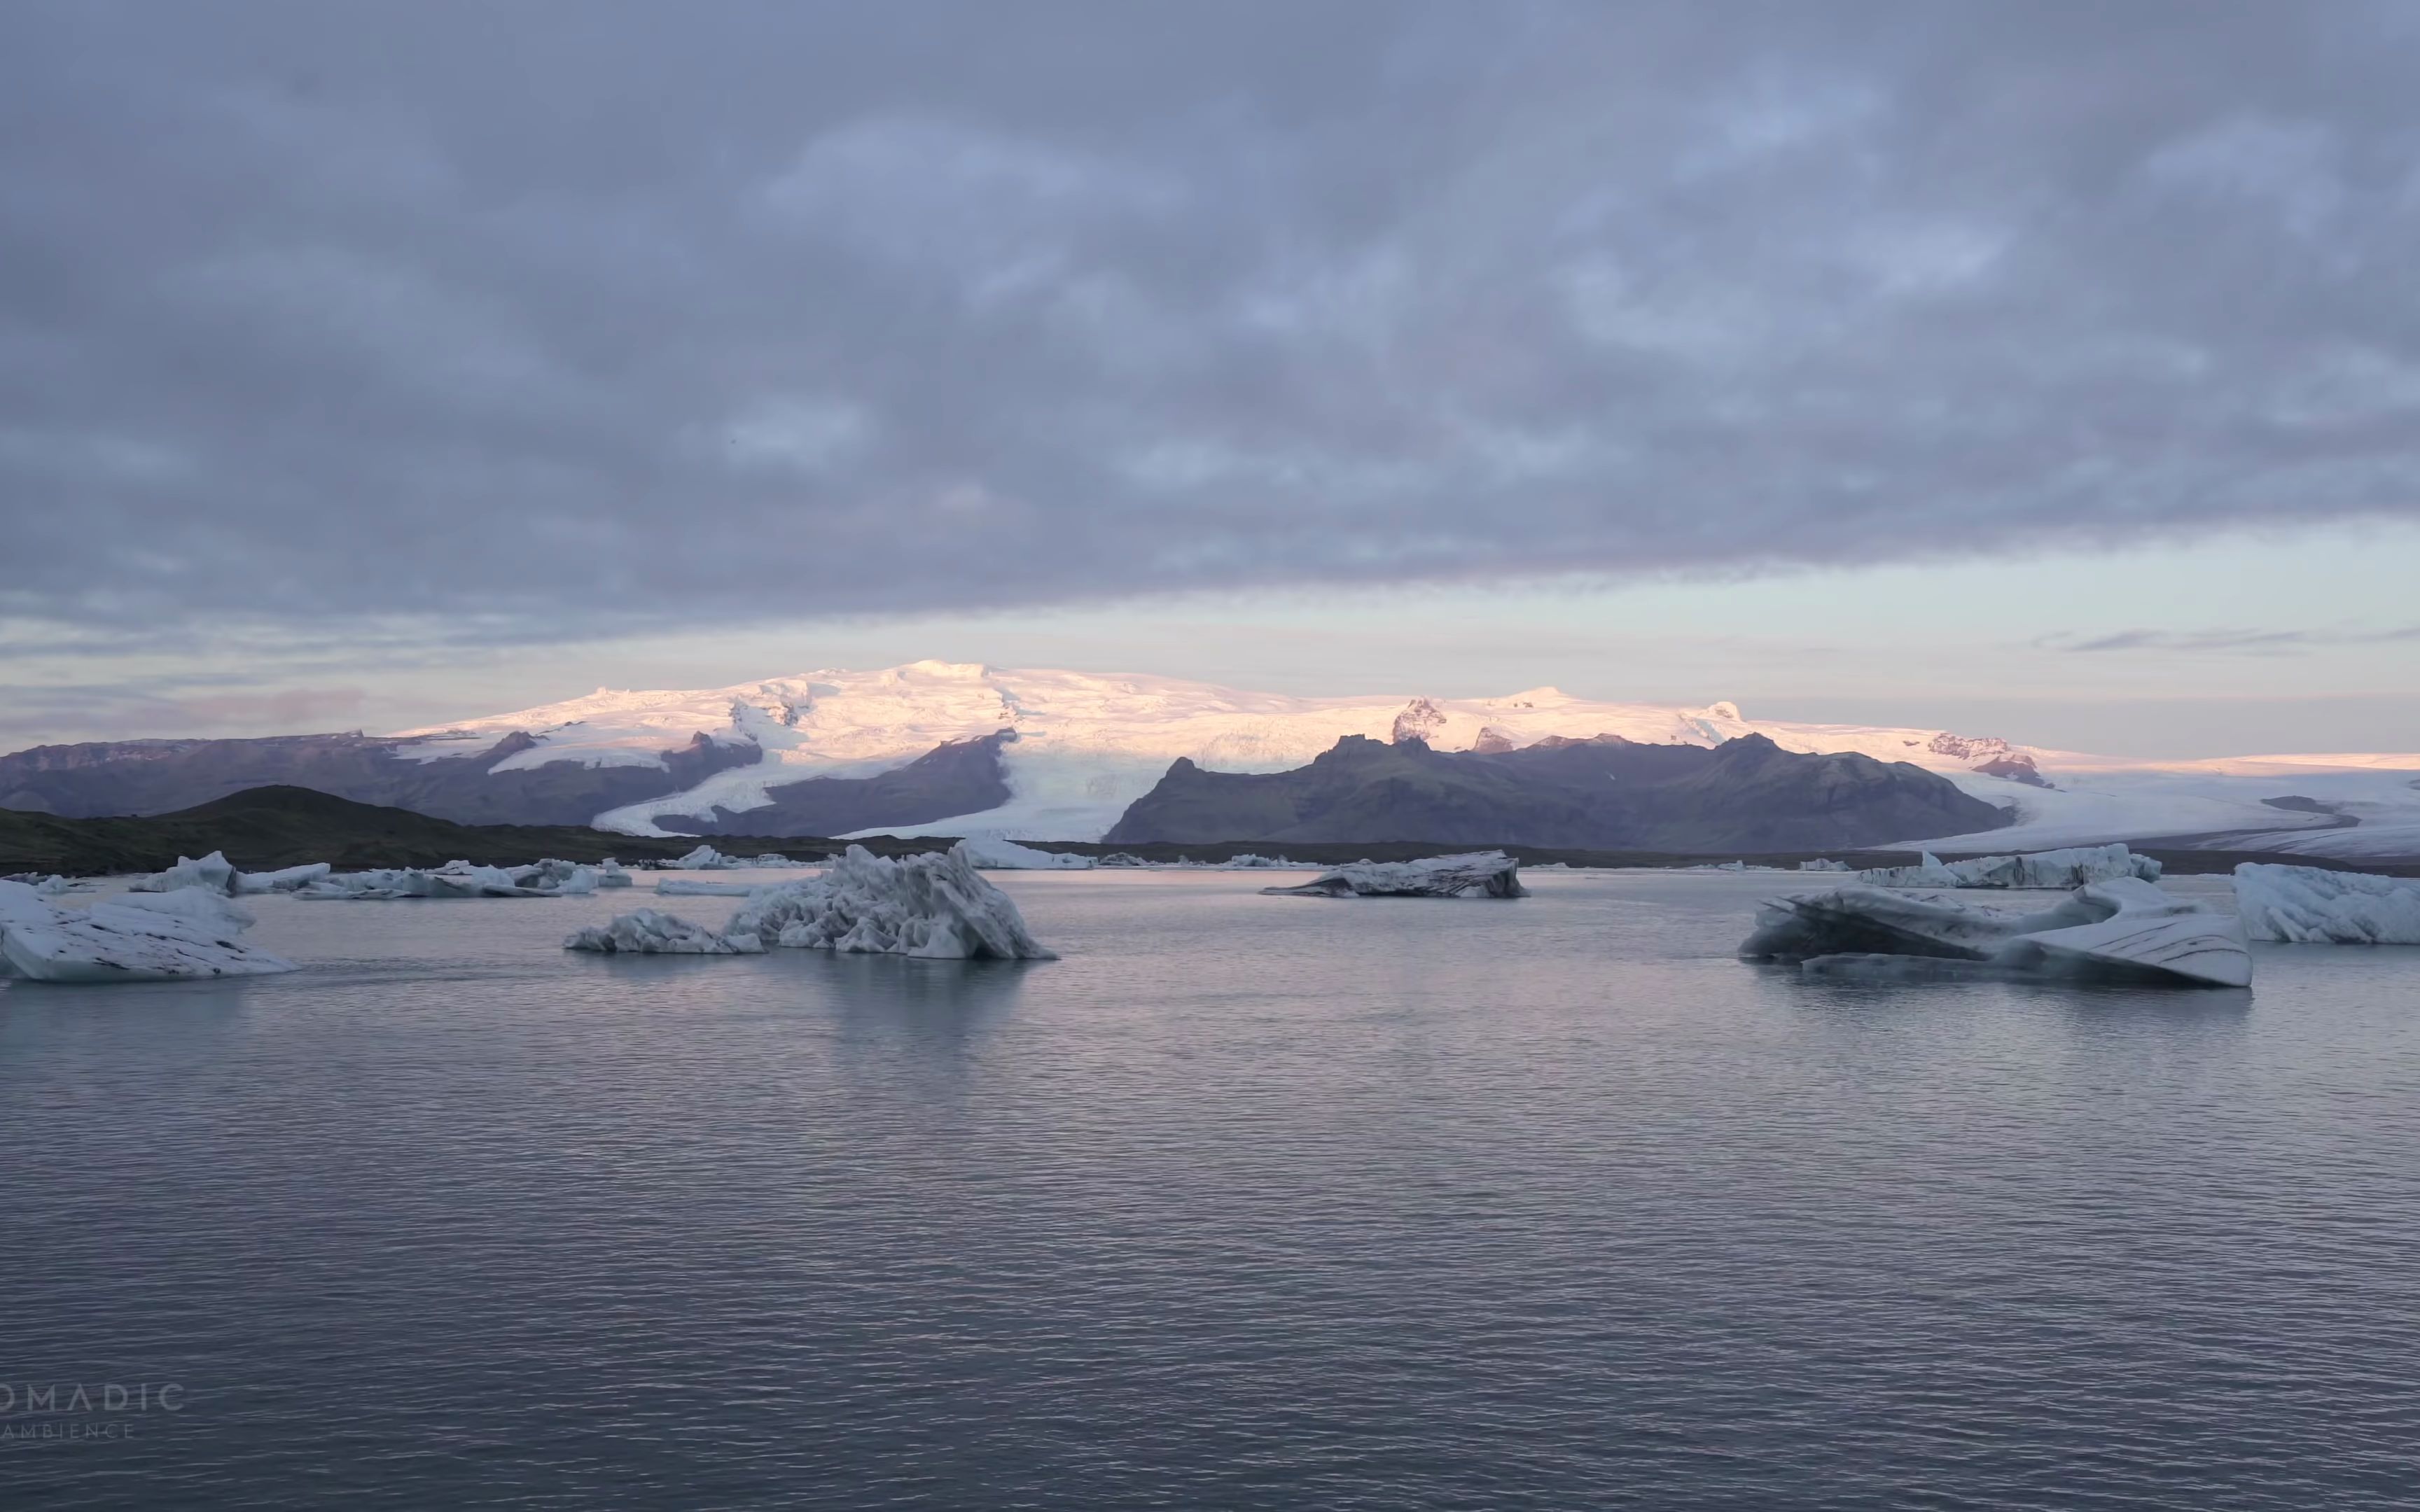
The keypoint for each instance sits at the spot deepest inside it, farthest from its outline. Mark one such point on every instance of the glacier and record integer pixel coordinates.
(2060, 870)
(1475, 874)
(2306, 904)
(187, 932)
(1089, 744)
(2124, 930)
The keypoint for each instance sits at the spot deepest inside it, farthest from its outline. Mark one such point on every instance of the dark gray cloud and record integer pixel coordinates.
(2232, 642)
(563, 310)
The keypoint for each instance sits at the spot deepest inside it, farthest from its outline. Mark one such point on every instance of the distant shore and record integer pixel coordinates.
(275, 826)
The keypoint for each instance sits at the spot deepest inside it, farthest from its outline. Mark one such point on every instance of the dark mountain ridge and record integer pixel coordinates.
(1747, 795)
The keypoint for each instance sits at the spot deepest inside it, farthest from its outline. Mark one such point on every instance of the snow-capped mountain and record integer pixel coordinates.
(939, 747)
(1075, 749)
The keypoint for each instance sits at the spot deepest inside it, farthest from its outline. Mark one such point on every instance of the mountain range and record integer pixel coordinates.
(939, 748)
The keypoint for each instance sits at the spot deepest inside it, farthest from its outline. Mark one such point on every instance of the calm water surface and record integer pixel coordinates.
(1247, 1203)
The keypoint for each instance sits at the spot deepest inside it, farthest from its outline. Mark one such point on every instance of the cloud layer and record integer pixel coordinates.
(561, 311)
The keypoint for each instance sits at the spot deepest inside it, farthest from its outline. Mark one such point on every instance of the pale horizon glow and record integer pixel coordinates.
(2245, 644)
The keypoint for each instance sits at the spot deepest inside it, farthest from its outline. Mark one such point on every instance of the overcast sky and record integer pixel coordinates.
(338, 340)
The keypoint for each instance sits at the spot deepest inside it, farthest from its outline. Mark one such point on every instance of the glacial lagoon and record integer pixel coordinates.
(1246, 1201)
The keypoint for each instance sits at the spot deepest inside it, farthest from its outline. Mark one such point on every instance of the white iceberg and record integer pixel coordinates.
(612, 873)
(1824, 863)
(647, 932)
(1478, 875)
(992, 854)
(288, 879)
(2306, 904)
(214, 872)
(549, 878)
(189, 933)
(2124, 929)
(707, 859)
(918, 906)
(2060, 870)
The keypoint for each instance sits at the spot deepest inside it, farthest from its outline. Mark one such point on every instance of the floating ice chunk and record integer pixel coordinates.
(688, 887)
(2047, 869)
(454, 879)
(289, 879)
(645, 932)
(204, 907)
(2121, 929)
(214, 872)
(611, 874)
(1478, 875)
(2307, 904)
(919, 905)
(189, 933)
(707, 859)
(1007, 855)
(1824, 863)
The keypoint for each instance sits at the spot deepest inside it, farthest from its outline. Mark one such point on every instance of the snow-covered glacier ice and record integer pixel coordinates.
(1475, 874)
(2311, 905)
(2124, 929)
(2060, 869)
(645, 932)
(187, 932)
(918, 906)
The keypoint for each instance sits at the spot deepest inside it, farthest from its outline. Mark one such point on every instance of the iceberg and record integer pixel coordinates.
(1478, 875)
(214, 872)
(688, 887)
(2123, 929)
(2307, 904)
(288, 879)
(2058, 869)
(611, 874)
(549, 878)
(920, 905)
(183, 933)
(707, 859)
(992, 854)
(647, 932)
(1824, 863)
(217, 873)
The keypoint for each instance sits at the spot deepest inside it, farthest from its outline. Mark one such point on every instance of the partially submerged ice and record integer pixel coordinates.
(919, 905)
(1478, 875)
(549, 878)
(1007, 855)
(937, 906)
(2124, 929)
(188, 932)
(215, 873)
(2306, 904)
(707, 859)
(645, 932)
(2060, 870)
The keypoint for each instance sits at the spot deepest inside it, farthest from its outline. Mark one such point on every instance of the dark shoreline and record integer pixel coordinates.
(263, 829)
